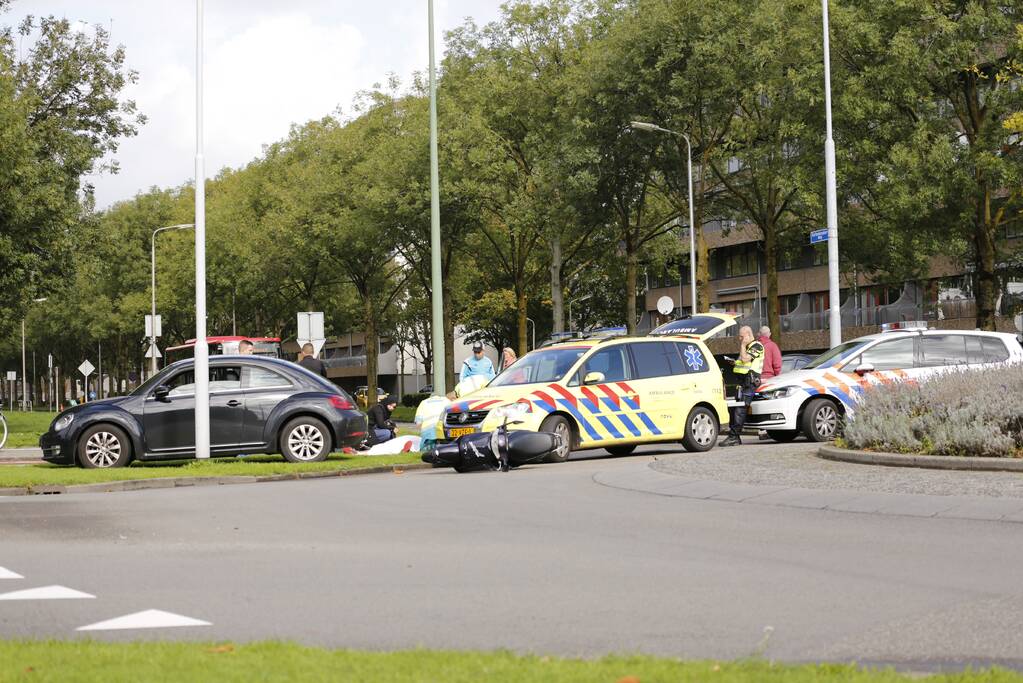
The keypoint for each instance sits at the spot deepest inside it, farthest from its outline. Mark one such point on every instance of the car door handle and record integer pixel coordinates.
(234, 403)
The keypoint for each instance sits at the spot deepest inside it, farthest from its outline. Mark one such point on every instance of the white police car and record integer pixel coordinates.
(813, 400)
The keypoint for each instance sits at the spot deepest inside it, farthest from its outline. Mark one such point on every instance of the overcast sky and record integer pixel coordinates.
(269, 63)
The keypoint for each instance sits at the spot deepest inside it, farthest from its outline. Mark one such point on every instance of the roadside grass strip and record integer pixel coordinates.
(24, 429)
(250, 466)
(271, 661)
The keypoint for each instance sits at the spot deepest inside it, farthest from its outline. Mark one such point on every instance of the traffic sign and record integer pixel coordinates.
(12, 375)
(310, 330)
(153, 352)
(819, 236)
(149, 327)
(49, 360)
(86, 368)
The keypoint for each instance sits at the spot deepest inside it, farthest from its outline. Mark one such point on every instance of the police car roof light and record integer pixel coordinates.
(905, 326)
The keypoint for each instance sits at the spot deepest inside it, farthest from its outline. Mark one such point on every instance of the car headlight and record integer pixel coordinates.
(784, 392)
(513, 411)
(63, 421)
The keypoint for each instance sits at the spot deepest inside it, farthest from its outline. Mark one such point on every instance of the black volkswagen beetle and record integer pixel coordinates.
(257, 405)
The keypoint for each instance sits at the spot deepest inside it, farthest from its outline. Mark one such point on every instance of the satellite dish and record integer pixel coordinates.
(665, 305)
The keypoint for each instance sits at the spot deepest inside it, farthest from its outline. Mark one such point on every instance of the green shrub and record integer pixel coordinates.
(962, 412)
(413, 400)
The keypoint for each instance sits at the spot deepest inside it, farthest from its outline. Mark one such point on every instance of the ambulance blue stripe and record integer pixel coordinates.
(610, 404)
(544, 405)
(574, 412)
(610, 427)
(629, 424)
(649, 424)
(632, 404)
(590, 405)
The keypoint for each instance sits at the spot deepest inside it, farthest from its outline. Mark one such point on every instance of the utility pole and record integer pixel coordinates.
(835, 313)
(439, 364)
(202, 349)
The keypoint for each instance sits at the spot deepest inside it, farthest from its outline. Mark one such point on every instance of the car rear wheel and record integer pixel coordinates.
(783, 435)
(103, 446)
(701, 430)
(621, 450)
(821, 420)
(305, 439)
(556, 424)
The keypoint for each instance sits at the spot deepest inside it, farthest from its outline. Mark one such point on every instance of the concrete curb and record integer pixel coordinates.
(182, 482)
(938, 462)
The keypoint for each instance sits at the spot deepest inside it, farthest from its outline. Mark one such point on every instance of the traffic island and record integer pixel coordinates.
(937, 462)
(45, 479)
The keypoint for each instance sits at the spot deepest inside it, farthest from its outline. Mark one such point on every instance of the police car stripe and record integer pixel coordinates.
(610, 427)
(628, 424)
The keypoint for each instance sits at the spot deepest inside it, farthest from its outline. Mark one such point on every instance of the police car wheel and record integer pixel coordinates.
(783, 435)
(556, 424)
(821, 420)
(701, 430)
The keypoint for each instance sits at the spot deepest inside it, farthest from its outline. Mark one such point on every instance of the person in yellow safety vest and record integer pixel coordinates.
(747, 370)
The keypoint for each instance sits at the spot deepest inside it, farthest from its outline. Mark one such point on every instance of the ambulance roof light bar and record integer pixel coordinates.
(905, 326)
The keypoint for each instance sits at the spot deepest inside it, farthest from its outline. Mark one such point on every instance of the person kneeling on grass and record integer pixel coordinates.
(381, 426)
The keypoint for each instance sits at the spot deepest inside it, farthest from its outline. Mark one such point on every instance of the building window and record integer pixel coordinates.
(738, 261)
(787, 303)
(820, 254)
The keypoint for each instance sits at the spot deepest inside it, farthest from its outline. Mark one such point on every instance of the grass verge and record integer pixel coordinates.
(90, 661)
(26, 428)
(251, 466)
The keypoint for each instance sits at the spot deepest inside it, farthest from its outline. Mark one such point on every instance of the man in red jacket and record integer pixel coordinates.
(772, 355)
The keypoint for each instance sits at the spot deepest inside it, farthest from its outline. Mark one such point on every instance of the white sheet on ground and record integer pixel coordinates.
(396, 445)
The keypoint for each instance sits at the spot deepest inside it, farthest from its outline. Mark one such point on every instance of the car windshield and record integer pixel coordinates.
(835, 355)
(548, 365)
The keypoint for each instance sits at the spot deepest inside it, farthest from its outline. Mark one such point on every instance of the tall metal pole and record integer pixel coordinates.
(835, 317)
(24, 393)
(202, 376)
(439, 362)
(692, 229)
(152, 318)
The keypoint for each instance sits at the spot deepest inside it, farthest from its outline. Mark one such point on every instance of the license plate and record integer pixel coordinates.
(460, 431)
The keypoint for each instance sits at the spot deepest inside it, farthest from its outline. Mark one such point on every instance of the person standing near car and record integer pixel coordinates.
(310, 362)
(477, 364)
(772, 354)
(747, 370)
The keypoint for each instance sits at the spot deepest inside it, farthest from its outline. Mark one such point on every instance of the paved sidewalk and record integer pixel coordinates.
(666, 477)
(12, 456)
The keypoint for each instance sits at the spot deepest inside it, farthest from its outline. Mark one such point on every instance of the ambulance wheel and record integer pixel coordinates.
(621, 450)
(701, 430)
(555, 424)
(783, 435)
(821, 420)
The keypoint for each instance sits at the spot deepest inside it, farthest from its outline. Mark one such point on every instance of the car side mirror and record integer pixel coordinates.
(593, 378)
(161, 392)
(863, 368)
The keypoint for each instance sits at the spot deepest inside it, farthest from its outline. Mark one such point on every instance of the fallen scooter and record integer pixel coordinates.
(496, 450)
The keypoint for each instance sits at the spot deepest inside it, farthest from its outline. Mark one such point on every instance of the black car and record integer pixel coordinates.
(257, 405)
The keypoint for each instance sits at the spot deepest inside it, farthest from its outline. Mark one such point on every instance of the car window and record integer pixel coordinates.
(264, 377)
(994, 350)
(941, 350)
(222, 378)
(693, 358)
(545, 365)
(655, 359)
(896, 354)
(612, 361)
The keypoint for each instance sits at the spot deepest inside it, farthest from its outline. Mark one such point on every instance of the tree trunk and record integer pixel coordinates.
(557, 291)
(771, 269)
(702, 253)
(984, 245)
(372, 346)
(449, 340)
(631, 269)
(520, 306)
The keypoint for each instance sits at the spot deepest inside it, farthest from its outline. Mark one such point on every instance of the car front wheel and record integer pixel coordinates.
(701, 430)
(103, 446)
(821, 420)
(305, 439)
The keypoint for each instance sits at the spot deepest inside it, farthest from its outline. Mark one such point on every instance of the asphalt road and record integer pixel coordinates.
(542, 560)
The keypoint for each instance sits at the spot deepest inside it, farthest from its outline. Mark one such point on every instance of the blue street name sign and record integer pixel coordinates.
(819, 236)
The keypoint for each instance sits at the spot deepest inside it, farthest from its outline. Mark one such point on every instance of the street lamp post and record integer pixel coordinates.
(24, 365)
(650, 127)
(202, 376)
(835, 313)
(533, 322)
(439, 364)
(152, 270)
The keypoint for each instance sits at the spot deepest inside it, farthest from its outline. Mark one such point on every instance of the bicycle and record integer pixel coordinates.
(3, 430)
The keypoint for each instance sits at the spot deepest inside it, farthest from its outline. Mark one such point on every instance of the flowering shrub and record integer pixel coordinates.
(962, 412)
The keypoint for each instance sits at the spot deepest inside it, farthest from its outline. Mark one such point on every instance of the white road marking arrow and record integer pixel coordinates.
(8, 574)
(45, 593)
(150, 618)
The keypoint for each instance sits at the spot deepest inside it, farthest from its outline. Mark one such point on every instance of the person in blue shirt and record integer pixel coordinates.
(477, 364)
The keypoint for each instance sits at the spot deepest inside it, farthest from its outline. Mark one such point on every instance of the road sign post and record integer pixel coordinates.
(12, 377)
(310, 331)
(818, 236)
(86, 368)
